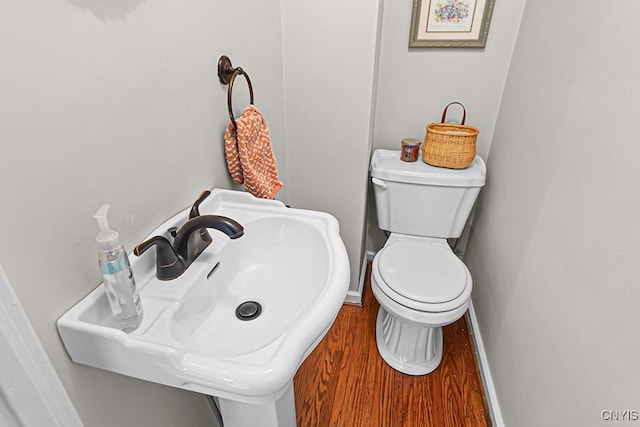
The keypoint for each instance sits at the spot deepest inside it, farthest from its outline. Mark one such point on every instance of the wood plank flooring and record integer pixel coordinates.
(345, 383)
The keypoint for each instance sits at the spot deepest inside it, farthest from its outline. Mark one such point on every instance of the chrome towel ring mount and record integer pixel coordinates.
(227, 75)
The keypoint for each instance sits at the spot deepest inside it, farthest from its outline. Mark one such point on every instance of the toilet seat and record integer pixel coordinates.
(422, 275)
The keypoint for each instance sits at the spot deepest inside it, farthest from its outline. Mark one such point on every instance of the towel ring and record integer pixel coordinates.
(227, 74)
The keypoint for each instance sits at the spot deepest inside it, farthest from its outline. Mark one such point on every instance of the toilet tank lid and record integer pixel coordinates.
(386, 165)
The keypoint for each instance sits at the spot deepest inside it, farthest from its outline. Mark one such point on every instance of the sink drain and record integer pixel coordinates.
(248, 310)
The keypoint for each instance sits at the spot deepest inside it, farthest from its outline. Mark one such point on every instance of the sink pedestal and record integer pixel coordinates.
(281, 413)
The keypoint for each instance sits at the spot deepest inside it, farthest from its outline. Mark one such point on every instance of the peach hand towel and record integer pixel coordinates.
(249, 154)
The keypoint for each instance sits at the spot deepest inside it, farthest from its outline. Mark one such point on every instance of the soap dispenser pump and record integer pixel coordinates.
(119, 282)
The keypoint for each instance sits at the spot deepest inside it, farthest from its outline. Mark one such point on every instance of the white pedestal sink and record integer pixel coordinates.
(291, 262)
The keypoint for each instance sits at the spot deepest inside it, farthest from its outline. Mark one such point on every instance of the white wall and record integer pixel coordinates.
(329, 54)
(554, 249)
(414, 85)
(116, 102)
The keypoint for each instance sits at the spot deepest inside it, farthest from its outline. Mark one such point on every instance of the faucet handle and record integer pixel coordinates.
(203, 238)
(196, 205)
(168, 264)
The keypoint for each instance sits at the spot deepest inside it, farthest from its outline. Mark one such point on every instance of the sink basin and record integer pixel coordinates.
(290, 264)
(280, 264)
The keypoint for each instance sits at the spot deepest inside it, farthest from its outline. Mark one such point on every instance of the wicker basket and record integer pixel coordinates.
(449, 145)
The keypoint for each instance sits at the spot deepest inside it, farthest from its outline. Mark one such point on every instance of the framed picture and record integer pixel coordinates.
(450, 23)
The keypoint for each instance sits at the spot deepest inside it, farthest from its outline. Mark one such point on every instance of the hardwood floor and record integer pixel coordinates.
(345, 382)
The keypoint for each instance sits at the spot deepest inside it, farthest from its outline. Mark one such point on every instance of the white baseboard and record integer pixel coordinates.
(485, 372)
(355, 297)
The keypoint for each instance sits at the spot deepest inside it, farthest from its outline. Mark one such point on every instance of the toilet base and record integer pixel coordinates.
(407, 346)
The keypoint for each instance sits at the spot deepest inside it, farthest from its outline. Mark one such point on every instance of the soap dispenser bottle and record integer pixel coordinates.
(119, 282)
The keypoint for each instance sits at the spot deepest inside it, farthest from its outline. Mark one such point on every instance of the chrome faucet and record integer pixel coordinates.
(189, 241)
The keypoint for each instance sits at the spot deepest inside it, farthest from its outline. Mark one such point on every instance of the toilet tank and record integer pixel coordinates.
(422, 200)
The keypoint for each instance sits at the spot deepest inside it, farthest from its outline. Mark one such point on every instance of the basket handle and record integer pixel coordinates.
(444, 112)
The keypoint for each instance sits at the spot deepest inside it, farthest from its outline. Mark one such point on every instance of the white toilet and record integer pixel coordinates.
(420, 283)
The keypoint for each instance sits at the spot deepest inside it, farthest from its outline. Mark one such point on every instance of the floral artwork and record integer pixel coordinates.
(450, 15)
(451, 11)
(450, 23)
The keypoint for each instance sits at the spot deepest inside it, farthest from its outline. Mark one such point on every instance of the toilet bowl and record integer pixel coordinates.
(420, 283)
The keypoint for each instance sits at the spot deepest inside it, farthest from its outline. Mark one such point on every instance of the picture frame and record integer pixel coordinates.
(450, 23)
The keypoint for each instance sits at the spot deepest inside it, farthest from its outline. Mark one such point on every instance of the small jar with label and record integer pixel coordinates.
(410, 149)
